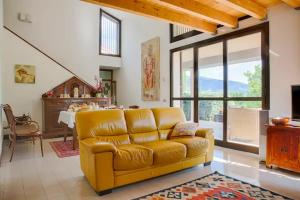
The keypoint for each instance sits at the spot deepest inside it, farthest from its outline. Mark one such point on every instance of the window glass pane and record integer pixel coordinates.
(211, 116)
(210, 69)
(245, 66)
(106, 75)
(187, 106)
(243, 122)
(183, 73)
(110, 32)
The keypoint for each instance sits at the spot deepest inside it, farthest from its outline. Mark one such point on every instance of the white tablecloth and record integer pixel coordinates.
(67, 118)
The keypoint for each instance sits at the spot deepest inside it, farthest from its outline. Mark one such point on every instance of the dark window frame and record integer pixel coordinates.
(100, 34)
(113, 83)
(263, 28)
(193, 32)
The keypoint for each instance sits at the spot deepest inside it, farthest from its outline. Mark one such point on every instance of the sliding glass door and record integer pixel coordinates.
(183, 81)
(222, 83)
(211, 88)
(244, 89)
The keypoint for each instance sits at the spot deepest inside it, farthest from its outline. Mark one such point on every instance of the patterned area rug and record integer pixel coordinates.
(214, 186)
(64, 149)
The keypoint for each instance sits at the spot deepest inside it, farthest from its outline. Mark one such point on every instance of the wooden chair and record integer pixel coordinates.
(28, 129)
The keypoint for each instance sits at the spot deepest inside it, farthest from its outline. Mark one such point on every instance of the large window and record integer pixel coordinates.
(223, 83)
(110, 34)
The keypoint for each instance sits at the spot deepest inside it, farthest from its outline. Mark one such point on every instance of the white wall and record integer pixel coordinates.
(284, 57)
(66, 30)
(137, 30)
(1, 74)
(26, 98)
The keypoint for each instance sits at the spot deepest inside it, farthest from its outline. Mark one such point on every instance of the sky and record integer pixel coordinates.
(235, 71)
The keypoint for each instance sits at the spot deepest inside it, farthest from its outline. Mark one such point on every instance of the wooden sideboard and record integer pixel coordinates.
(283, 147)
(52, 108)
(53, 104)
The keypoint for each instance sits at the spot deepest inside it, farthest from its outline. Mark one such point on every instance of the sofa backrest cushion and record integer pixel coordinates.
(166, 119)
(116, 139)
(141, 125)
(101, 123)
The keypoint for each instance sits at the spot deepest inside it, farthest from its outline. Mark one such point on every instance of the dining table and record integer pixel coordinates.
(67, 119)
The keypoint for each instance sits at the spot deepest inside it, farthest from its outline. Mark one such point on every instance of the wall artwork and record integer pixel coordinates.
(151, 70)
(25, 74)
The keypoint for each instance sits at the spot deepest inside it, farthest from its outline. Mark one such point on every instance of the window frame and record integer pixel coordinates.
(263, 28)
(194, 32)
(100, 34)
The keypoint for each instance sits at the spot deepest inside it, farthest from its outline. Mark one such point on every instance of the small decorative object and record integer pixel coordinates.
(25, 74)
(99, 86)
(21, 120)
(151, 70)
(50, 93)
(280, 121)
(76, 92)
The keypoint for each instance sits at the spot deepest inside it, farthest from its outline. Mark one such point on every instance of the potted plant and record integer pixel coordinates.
(99, 87)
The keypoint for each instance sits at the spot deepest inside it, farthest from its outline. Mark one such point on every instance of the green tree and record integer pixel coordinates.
(254, 89)
(254, 81)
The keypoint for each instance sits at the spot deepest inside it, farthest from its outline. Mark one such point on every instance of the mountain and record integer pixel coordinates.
(210, 84)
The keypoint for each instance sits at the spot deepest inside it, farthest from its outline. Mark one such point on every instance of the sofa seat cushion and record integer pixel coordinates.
(195, 145)
(166, 152)
(132, 156)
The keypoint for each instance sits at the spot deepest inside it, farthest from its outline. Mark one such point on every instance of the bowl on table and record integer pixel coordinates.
(280, 121)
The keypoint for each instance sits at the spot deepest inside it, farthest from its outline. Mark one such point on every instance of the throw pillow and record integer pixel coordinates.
(184, 129)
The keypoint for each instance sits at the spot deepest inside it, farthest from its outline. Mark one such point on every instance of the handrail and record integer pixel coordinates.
(42, 52)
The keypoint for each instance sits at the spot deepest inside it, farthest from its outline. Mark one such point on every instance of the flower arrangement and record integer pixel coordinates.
(99, 87)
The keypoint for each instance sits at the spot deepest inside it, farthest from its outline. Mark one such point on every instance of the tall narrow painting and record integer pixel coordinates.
(151, 70)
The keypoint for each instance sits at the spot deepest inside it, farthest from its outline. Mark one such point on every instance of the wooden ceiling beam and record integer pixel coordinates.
(150, 9)
(292, 3)
(194, 7)
(248, 7)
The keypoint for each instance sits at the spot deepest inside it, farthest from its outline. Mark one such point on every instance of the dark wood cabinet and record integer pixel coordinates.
(52, 108)
(283, 147)
(53, 104)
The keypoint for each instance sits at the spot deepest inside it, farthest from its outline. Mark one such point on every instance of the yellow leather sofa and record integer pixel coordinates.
(120, 147)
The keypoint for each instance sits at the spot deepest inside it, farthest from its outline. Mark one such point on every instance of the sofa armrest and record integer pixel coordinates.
(205, 132)
(96, 160)
(208, 134)
(95, 146)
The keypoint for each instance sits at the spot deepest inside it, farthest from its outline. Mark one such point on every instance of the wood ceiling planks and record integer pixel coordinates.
(202, 15)
(292, 3)
(201, 10)
(152, 9)
(248, 7)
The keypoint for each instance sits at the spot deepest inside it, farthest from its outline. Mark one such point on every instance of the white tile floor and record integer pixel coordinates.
(30, 177)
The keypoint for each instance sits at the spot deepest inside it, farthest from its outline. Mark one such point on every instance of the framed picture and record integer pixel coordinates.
(25, 74)
(151, 70)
